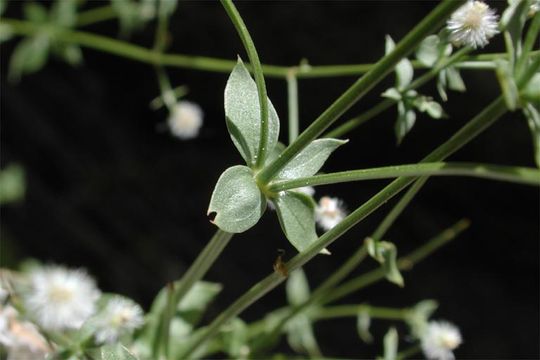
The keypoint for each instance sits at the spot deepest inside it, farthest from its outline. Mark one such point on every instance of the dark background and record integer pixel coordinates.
(110, 192)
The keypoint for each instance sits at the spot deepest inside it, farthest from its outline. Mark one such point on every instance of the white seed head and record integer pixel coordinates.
(473, 24)
(121, 316)
(61, 298)
(185, 120)
(329, 212)
(439, 339)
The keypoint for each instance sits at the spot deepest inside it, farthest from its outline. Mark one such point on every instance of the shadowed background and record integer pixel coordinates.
(109, 191)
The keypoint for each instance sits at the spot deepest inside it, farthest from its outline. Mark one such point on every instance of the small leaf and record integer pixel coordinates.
(12, 184)
(531, 92)
(274, 154)
(386, 254)
(417, 318)
(507, 83)
(455, 81)
(296, 213)
(297, 287)
(391, 344)
(301, 337)
(237, 202)
(64, 13)
(70, 53)
(512, 22)
(235, 338)
(243, 117)
(405, 121)
(363, 321)
(35, 12)
(3, 6)
(404, 69)
(6, 32)
(429, 50)
(432, 108)
(442, 83)
(29, 56)
(532, 113)
(392, 93)
(310, 160)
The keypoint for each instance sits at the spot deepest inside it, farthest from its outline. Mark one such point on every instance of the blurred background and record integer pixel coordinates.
(109, 190)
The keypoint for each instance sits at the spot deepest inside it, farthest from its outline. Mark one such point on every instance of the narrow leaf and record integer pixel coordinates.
(29, 56)
(386, 254)
(363, 321)
(301, 337)
(404, 69)
(429, 50)
(532, 113)
(507, 83)
(455, 81)
(297, 287)
(390, 344)
(310, 160)
(296, 213)
(405, 121)
(243, 115)
(237, 203)
(235, 337)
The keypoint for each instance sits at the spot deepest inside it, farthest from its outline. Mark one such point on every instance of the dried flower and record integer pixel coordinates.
(60, 298)
(473, 24)
(121, 316)
(439, 339)
(329, 212)
(185, 120)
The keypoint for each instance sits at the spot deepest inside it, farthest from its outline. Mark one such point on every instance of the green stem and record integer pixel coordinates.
(292, 97)
(516, 174)
(96, 15)
(388, 103)
(243, 32)
(210, 64)
(338, 311)
(196, 272)
(404, 263)
(530, 40)
(361, 87)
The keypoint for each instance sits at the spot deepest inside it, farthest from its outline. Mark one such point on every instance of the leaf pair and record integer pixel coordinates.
(386, 254)
(238, 202)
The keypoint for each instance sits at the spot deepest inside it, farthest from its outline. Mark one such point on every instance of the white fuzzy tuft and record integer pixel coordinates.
(121, 316)
(473, 24)
(329, 212)
(185, 120)
(439, 339)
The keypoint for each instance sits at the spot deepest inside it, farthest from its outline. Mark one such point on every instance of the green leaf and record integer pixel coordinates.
(296, 213)
(532, 113)
(274, 154)
(417, 318)
(243, 116)
(12, 184)
(455, 81)
(391, 344)
(29, 56)
(310, 160)
(432, 108)
(405, 121)
(70, 53)
(392, 93)
(35, 12)
(129, 15)
(297, 287)
(512, 22)
(429, 50)
(404, 69)
(235, 338)
(363, 321)
(531, 92)
(507, 83)
(236, 202)
(6, 32)
(3, 6)
(112, 352)
(386, 254)
(301, 337)
(64, 13)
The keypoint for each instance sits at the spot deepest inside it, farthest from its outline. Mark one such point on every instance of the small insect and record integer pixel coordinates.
(279, 266)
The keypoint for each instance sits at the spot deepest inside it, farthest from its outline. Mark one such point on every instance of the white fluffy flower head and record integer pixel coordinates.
(330, 211)
(439, 339)
(185, 120)
(121, 316)
(473, 24)
(60, 298)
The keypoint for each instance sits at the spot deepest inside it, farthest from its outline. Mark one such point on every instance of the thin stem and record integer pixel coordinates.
(196, 272)
(292, 97)
(332, 312)
(404, 263)
(516, 174)
(96, 15)
(530, 39)
(362, 86)
(211, 64)
(243, 32)
(387, 103)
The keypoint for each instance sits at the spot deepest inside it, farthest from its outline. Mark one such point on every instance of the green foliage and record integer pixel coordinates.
(386, 254)
(12, 184)
(418, 316)
(404, 70)
(242, 112)
(507, 83)
(363, 322)
(235, 338)
(237, 203)
(532, 114)
(112, 352)
(390, 344)
(133, 15)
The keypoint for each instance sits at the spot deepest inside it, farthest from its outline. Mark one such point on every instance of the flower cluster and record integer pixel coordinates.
(473, 25)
